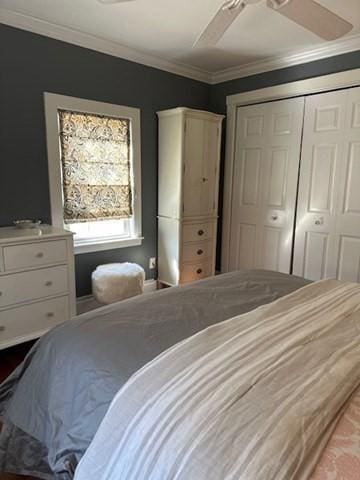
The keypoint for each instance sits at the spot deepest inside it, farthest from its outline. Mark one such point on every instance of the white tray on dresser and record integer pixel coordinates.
(37, 282)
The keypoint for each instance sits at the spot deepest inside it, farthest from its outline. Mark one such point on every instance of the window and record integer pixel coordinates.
(94, 170)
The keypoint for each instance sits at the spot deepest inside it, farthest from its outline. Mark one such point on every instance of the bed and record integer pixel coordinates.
(256, 397)
(54, 403)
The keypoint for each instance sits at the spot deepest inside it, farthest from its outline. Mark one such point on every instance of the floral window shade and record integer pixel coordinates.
(95, 157)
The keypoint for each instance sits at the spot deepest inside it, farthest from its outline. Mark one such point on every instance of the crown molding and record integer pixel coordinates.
(92, 42)
(81, 39)
(327, 50)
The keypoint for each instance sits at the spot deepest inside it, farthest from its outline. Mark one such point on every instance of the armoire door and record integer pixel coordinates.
(265, 180)
(327, 241)
(201, 148)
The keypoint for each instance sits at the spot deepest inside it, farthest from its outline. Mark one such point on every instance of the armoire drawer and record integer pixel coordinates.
(33, 319)
(26, 286)
(193, 252)
(195, 271)
(198, 231)
(38, 254)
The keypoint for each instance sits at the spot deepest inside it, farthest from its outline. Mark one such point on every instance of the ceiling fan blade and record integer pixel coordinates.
(220, 23)
(313, 16)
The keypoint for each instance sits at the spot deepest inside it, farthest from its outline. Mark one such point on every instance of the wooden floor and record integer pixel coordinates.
(10, 359)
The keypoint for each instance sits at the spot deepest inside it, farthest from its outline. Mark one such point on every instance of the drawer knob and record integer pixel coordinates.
(50, 314)
(39, 255)
(198, 271)
(2, 328)
(200, 252)
(201, 232)
(48, 283)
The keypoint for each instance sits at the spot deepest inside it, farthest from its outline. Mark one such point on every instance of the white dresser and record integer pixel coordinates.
(37, 282)
(189, 157)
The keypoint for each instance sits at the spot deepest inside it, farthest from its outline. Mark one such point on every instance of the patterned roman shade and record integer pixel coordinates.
(95, 157)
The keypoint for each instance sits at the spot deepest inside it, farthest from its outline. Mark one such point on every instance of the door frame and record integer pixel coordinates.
(301, 88)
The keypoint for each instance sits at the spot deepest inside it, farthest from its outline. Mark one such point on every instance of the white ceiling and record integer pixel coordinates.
(167, 29)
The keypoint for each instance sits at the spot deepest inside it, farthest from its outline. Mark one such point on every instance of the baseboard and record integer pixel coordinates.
(150, 285)
(88, 302)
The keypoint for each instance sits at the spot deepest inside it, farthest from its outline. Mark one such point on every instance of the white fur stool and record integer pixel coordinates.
(117, 281)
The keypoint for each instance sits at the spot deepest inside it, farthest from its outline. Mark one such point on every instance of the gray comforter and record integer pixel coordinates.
(54, 402)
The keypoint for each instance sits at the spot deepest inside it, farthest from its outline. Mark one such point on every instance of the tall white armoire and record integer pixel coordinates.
(189, 158)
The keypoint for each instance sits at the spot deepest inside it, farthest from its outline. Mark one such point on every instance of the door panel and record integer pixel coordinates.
(349, 259)
(271, 248)
(243, 251)
(329, 193)
(277, 178)
(316, 249)
(250, 176)
(266, 167)
(322, 178)
(200, 176)
(352, 202)
(194, 140)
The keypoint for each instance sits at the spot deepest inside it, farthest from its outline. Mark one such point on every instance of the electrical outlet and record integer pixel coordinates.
(152, 263)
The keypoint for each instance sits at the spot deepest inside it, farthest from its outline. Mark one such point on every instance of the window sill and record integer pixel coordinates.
(101, 244)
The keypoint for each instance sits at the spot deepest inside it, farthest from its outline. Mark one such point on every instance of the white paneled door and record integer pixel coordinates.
(265, 185)
(327, 242)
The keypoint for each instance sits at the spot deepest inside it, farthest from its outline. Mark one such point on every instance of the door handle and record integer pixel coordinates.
(319, 221)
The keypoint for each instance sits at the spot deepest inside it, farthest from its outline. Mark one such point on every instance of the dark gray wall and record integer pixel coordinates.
(219, 93)
(326, 66)
(30, 65)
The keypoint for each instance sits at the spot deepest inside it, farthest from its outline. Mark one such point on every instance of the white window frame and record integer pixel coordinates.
(54, 103)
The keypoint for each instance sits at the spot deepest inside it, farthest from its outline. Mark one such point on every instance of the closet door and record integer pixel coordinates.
(264, 185)
(327, 242)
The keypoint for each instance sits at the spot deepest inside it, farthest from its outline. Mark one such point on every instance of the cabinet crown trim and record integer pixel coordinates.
(190, 112)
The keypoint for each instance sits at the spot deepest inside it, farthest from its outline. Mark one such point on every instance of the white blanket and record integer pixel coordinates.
(253, 398)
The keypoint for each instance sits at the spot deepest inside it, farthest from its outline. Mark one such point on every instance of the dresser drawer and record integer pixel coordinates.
(198, 231)
(195, 271)
(19, 257)
(193, 252)
(22, 287)
(31, 320)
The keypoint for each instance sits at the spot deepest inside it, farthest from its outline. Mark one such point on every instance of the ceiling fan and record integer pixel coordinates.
(307, 13)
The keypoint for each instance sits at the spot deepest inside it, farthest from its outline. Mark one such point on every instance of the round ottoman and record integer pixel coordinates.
(117, 281)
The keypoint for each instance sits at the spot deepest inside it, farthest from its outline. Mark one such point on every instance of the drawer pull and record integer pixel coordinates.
(198, 271)
(200, 252)
(48, 283)
(39, 255)
(201, 232)
(0, 294)
(50, 314)
(2, 328)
